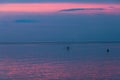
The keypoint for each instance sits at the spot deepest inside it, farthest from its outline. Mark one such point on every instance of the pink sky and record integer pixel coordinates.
(56, 7)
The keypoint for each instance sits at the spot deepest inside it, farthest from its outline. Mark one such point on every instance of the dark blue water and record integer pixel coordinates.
(65, 61)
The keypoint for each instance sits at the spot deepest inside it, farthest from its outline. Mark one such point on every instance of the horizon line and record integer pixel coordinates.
(61, 42)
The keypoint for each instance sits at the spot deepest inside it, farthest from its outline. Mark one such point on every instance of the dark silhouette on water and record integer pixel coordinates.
(67, 48)
(108, 50)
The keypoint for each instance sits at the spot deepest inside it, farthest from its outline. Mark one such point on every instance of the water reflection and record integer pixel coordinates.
(51, 62)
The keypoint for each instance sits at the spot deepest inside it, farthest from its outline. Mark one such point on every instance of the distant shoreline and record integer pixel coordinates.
(62, 42)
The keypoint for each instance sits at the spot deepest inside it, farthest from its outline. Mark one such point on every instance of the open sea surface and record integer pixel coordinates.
(60, 61)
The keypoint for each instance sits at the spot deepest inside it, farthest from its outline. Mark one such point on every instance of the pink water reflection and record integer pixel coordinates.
(76, 70)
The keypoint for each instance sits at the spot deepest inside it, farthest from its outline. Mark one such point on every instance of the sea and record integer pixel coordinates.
(59, 61)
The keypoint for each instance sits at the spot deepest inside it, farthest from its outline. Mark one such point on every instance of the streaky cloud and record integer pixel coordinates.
(25, 21)
(79, 9)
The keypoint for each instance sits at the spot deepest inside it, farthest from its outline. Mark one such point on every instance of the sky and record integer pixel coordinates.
(61, 20)
(10, 1)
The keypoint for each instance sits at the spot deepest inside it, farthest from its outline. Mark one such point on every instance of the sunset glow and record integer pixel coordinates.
(56, 7)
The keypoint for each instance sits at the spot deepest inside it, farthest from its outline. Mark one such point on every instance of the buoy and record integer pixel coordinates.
(67, 48)
(108, 50)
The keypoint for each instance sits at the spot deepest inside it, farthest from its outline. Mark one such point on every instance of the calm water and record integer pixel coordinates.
(52, 61)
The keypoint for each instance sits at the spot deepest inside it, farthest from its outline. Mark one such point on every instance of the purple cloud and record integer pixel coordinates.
(78, 9)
